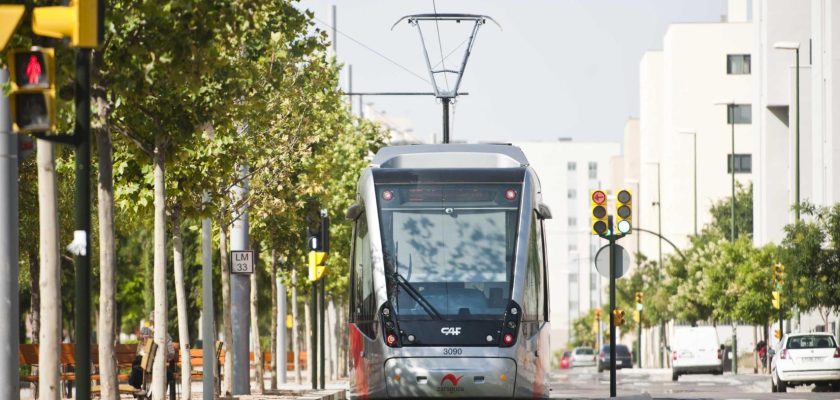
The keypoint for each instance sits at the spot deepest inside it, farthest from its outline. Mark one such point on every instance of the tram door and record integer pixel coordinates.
(363, 332)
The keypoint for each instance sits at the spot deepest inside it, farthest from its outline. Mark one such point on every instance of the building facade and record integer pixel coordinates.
(568, 171)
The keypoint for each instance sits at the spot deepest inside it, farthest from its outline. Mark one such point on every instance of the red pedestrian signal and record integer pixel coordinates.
(32, 99)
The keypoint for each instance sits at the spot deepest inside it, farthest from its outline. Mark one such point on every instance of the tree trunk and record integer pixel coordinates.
(181, 300)
(227, 327)
(159, 369)
(295, 327)
(34, 295)
(255, 328)
(274, 319)
(106, 327)
(49, 347)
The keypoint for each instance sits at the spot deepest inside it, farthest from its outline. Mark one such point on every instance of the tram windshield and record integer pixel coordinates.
(449, 248)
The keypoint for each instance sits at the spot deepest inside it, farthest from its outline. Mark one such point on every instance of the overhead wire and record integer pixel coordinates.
(386, 58)
(440, 47)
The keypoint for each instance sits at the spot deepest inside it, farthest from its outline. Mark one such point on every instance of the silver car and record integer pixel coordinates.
(583, 357)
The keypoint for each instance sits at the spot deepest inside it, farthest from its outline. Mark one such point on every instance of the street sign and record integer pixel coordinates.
(242, 261)
(622, 261)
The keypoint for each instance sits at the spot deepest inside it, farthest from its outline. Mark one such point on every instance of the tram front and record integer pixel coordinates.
(462, 262)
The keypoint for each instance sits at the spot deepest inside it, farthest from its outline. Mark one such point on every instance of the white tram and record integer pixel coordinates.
(449, 293)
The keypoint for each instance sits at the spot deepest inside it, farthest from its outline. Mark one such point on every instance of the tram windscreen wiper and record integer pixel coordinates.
(409, 288)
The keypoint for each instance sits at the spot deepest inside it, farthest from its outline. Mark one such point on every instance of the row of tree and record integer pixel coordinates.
(190, 100)
(718, 280)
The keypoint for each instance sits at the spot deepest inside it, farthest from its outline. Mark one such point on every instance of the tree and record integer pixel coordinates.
(721, 212)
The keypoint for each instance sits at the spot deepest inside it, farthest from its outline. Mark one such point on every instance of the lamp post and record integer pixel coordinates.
(694, 136)
(658, 204)
(794, 46)
(730, 108)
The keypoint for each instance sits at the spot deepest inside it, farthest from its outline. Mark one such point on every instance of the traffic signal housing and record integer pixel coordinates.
(618, 317)
(624, 211)
(777, 299)
(777, 334)
(639, 298)
(600, 220)
(81, 21)
(10, 16)
(32, 99)
(778, 273)
(319, 248)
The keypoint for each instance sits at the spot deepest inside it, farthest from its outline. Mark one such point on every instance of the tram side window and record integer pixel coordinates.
(534, 294)
(364, 299)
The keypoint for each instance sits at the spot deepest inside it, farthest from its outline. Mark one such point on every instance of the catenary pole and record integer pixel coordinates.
(445, 101)
(9, 289)
(240, 289)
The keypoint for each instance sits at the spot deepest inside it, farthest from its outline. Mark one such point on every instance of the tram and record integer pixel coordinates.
(449, 285)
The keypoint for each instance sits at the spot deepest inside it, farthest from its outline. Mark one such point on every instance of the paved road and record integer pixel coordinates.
(587, 383)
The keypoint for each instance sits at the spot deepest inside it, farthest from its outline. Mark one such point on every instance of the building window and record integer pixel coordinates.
(743, 163)
(573, 277)
(572, 247)
(571, 166)
(572, 193)
(593, 170)
(742, 113)
(593, 282)
(572, 221)
(738, 64)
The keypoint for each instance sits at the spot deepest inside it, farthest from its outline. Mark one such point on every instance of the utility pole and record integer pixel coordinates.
(281, 328)
(240, 289)
(9, 290)
(613, 340)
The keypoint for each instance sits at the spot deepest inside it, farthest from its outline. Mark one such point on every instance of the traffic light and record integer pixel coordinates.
(777, 300)
(637, 316)
(599, 212)
(624, 211)
(639, 298)
(596, 322)
(618, 317)
(319, 248)
(777, 334)
(598, 314)
(32, 98)
(778, 273)
(10, 15)
(81, 22)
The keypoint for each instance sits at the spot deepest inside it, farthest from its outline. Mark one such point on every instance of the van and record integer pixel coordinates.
(695, 350)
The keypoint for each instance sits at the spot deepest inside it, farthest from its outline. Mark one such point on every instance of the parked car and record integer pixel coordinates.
(805, 359)
(566, 360)
(583, 357)
(695, 350)
(623, 359)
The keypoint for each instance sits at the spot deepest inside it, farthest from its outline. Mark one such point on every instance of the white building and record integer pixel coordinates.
(815, 26)
(700, 65)
(568, 171)
(812, 26)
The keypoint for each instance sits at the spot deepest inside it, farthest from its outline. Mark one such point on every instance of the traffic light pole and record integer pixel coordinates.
(322, 374)
(612, 239)
(9, 287)
(639, 340)
(82, 216)
(313, 339)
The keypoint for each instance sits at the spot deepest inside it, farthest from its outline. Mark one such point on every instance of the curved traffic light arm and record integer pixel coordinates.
(663, 238)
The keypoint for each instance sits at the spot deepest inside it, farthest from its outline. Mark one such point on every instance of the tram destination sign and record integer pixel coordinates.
(242, 261)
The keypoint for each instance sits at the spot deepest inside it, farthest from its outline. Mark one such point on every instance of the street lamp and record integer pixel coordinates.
(730, 107)
(794, 46)
(658, 204)
(694, 136)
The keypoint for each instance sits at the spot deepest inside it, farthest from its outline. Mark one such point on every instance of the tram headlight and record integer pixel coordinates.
(387, 195)
(511, 324)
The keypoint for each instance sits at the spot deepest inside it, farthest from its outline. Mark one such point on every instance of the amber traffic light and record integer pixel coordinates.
(778, 274)
(618, 317)
(599, 212)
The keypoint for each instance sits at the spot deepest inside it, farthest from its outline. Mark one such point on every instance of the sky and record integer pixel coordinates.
(555, 69)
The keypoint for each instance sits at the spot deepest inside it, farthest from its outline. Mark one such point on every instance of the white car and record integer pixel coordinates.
(805, 359)
(695, 350)
(583, 357)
